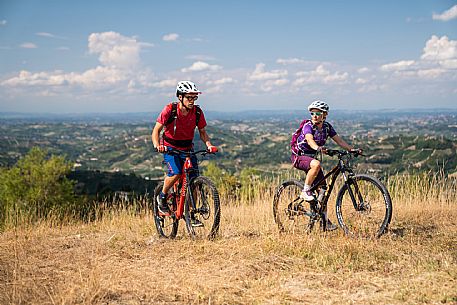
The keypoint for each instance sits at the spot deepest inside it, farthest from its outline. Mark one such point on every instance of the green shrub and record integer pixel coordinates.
(35, 188)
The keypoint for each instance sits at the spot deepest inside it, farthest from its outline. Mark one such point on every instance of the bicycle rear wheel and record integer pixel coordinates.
(289, 209)
(369, 216)
(203, 220)
(167, 226)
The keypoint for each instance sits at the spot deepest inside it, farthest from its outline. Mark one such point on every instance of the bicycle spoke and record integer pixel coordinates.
(368, 217)
(289, 210)
(166, 225)
(203, 220)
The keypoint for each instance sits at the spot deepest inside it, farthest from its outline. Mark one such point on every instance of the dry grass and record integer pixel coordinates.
(120, 260)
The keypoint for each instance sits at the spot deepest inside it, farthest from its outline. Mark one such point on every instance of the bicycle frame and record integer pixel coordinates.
(340, 168)
(182, 186)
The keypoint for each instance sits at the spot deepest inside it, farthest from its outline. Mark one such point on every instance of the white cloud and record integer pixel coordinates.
(440, 49)
(320, 75)
(260, 73)
(201, 66)
(290, 61)
(430, 73)
(449, 64)
(222, 81)
(170, 37)
(49, 35)
(115, 50)
(119, 58)
(44, 34)
(363, 70)
(3, 22)
(361, 81)
(439, 58)
(200, 57)
(398, 66)
(166, 83)
(447, 15)
(28, 45)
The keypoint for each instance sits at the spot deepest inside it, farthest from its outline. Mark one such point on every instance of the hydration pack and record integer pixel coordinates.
(294, 141)
(174, 113)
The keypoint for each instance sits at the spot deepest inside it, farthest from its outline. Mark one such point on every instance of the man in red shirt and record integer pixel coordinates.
(179, 121)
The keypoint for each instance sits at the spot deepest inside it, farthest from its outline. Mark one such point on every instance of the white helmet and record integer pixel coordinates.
(186, 86)
(318, 104)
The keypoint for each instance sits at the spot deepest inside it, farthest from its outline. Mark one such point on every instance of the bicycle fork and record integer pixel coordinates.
(354, 192)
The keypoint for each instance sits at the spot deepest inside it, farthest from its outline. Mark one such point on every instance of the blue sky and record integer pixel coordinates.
(127, 56)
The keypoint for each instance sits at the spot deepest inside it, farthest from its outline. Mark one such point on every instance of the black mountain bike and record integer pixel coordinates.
(363, 203)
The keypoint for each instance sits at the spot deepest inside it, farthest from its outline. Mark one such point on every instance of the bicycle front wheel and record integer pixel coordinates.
(203, 219)
(167, 226)
(289, 209)
(364, 207)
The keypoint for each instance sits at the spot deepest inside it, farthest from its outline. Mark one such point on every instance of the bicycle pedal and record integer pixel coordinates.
(197, 224)
(162, 214)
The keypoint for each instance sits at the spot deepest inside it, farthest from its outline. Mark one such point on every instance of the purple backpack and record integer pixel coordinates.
(295, 135)
(294, 141)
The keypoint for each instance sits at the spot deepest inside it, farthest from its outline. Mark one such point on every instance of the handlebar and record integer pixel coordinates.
(175, 151)
(340, 153)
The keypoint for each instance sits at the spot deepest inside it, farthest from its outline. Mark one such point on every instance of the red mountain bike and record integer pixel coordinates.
(196, 200)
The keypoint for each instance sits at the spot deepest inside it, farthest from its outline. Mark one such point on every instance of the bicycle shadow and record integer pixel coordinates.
(427, 231)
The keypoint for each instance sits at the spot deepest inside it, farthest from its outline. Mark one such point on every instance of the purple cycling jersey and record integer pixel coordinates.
(320, 136)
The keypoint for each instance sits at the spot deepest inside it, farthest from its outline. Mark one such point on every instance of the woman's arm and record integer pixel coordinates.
(310, 140)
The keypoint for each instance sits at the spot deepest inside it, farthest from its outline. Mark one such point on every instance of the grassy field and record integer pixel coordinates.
(119, 259)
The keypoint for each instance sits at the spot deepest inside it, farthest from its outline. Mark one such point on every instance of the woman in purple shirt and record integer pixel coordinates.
(312, 139)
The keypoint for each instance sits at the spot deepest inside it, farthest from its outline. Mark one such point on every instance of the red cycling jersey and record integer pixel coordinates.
(185, 127)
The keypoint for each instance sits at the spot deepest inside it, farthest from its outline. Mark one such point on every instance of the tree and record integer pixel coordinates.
(35, 187)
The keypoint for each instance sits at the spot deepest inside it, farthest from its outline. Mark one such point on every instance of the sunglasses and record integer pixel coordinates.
(316, 113)
(191, 97)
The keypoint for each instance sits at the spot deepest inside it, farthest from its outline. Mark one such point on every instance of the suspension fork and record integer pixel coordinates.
(349, 180)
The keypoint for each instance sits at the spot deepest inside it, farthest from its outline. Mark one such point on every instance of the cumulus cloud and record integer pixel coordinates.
(320, 75)
(398, 66)
(446, 15)
(260, 73)
(439, 57)
(115, 50)
(440, 49)
(170, 37)
(3, 22)
(118, 56)
(201, 66)
(270, 85)
(28, 45)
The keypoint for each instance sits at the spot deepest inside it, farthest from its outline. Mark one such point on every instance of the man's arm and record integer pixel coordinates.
(155, 134)
(205, 137)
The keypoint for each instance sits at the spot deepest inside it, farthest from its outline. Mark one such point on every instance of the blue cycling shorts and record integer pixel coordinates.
(175, 164)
